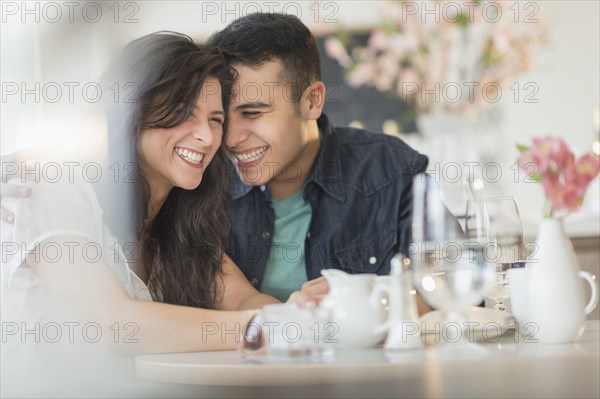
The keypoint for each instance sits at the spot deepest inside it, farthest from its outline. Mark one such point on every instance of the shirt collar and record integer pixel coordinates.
(326, 171)
(238, 189)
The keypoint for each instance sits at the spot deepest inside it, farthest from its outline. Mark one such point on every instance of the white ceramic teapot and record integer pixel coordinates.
(357, 310)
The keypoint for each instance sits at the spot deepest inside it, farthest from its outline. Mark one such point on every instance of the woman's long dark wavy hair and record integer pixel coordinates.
(182, 248)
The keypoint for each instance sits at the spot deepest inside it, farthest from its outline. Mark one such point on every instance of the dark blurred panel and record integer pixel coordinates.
(365, 104)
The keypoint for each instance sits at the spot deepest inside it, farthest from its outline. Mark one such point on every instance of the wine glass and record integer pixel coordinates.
(448, 266)
(505, 247)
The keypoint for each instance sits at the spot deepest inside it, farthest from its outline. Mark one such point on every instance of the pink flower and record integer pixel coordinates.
(561, 155)
(587, 168)
(549, 154)
(363, 73)
(403, 44)
(565, 180)
(501, 41)
(379, 40)
(335, 49)
(570, 198)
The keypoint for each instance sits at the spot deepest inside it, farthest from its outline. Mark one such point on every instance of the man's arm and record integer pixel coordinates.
(237, 293)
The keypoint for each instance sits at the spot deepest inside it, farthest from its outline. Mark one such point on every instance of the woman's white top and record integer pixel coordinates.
(33, 320)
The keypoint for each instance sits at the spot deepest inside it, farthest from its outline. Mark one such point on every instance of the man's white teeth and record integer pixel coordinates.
(192, 157)
(252, 156)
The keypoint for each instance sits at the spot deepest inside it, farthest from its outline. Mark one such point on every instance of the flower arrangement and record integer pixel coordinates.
(455, 59)
(564, 178)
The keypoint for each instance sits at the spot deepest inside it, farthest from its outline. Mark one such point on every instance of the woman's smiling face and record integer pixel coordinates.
(178, 156)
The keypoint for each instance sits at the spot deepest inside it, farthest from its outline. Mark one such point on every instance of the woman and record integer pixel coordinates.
(171, 287)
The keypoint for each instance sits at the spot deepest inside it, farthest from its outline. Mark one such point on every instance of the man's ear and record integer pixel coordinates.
(312, 101)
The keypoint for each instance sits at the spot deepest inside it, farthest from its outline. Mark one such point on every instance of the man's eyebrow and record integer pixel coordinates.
(218, 112)
(253, 105)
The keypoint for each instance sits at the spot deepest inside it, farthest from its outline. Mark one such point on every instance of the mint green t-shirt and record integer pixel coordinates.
(286, 266)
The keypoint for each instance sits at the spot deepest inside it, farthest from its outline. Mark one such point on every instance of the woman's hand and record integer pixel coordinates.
(310, 293)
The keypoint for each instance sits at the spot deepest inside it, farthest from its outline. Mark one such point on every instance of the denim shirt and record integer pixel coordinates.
(360, 192)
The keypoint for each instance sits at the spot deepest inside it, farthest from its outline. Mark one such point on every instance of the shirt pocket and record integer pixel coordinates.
(370, 255)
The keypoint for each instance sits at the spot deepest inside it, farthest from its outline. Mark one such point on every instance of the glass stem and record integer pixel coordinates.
(456, 318)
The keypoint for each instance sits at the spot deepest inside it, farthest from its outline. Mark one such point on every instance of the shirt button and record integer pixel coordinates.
(263, 187)
(372, 260)
(254, 281)
(266, 234)
(308, 235)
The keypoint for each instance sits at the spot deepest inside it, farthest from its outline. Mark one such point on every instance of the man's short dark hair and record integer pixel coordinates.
(258, 38)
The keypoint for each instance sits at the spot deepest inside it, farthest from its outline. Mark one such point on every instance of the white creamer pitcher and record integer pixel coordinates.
(356, 309)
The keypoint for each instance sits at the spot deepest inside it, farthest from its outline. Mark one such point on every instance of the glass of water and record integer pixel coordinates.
(505, 246)
(293, 333)
(449, 267)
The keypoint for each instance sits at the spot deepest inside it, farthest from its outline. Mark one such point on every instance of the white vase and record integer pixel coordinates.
(555, 300)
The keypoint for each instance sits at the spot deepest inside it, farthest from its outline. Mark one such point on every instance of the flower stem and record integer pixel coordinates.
(548, 209)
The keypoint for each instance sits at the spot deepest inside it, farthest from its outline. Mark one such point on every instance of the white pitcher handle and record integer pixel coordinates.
(375, 300)
(591, 279)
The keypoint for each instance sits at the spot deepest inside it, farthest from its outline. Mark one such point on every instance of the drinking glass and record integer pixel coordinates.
(505, 248)
(295, 334)
(448, 266)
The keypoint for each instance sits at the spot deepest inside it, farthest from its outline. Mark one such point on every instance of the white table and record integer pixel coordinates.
(510, 369)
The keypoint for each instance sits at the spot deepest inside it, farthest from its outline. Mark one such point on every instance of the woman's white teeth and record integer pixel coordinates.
(192, 157)
(252, 156)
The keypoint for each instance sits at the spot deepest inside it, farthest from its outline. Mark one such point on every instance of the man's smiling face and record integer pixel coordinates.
(265, 137)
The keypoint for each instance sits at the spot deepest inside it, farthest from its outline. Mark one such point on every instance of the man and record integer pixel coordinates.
(309, 196)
